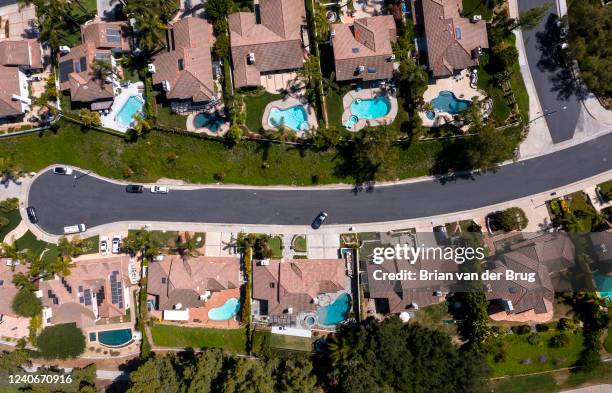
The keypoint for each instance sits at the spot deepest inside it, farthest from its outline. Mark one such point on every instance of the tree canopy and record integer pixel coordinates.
(61, 341)
(26, 303)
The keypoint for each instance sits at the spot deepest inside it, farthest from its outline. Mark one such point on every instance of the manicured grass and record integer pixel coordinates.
(165, 117)
(518, 348)
(299, 244)
(164, 238)
(291, 342)
(541, 383)
(232, 340)
(335, 107)
(580, 203)
(433, 317)
(476, 7)
(14, 219)
(276, 246)
(198, 160)
(605, 189)
(608, 341)
(47, 251)
(255, 105)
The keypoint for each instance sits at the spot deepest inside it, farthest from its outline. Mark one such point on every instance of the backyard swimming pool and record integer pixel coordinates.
(371, 108)
(226, 311)
(211, 121)
(447, 102)
(115, 338)
(130, 108)
(294, 118)
(604, 285)
(336, 312)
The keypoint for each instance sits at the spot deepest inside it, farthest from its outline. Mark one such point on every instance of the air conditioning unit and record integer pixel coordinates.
(151, 68)
(166, 85)
(476, 18)
(392, 58)
(251, 58)
(178, 306)
(265, 262)
(64, 50)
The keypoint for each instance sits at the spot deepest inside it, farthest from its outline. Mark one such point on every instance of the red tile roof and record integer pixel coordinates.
(98, 32)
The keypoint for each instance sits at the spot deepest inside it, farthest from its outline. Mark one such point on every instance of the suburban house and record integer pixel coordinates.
(101, 41)
(453, 43)
(520, 300)
(287, 292)
(187, 289)
(184, 71)
(16, 58)
(398, 296)
(96, 290)
(11, 324)
(267, 42)
(601, 243)
(362, 50)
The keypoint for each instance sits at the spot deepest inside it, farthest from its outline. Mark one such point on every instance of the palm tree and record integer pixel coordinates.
(151, 32)
(142, 125)
(101, 70)
(187, 245)
(340, 348)
(8, 170)
(20, 280)
(11, 251)
(62, 265)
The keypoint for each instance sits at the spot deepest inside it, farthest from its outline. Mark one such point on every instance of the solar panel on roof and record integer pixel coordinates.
(355, 50)
(81, 65)
(113, 35)
(458, 33)
(81, 299)
(65, 68)
(55, 300)
(87, 297)
(80, 288)
(1, 283)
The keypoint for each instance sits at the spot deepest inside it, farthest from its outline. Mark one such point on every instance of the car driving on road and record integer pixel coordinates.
(104, 245)
(159, 189)
(62, 170)
(316, 224)
(134, 188)
(116, 246)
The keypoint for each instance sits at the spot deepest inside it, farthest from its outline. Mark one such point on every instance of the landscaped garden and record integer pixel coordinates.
(232, 340)
(299, 243)
(255, 103)
(9, 217)
(574, 213)
(605, 190)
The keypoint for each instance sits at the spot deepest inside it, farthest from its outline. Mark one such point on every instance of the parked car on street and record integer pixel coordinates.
(71, 229)
(62, 170)
(116, 246)
(134, 188)
(159, 189)
(32, 214)
(104, 245)
(316, 224)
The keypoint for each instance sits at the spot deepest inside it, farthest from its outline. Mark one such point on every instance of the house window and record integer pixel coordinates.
(181, 64)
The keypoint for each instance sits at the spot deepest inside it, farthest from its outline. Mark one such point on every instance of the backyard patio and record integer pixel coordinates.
(370, 106)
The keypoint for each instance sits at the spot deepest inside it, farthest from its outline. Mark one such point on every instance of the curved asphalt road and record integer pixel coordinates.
(95, 202)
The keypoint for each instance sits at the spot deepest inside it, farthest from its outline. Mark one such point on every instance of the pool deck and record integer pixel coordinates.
(223, 128)
(461, 89)
(288, 102)
(365, 94)
(108, 121)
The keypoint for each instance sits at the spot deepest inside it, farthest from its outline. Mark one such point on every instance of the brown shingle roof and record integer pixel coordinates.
(104, 34)
(450, 38)
(295, 283)
(275, 42)
(175, 280)
(366, 43)
(22, 52)
(187, 65)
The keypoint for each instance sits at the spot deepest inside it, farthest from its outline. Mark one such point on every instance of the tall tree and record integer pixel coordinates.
(531, 18)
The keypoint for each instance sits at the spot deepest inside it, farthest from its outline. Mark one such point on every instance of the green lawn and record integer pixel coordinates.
(14, 219)
(48, 251)
(335, 107)
(606, 190)
(198, 159)
(433, 317)
(184, 337)
(518, 348)
(608, 341)
(476, 7)
(276, 245)
(165, 117)
(255, 104)
(580, 203)
(299, 243)
(291, 342)
(164, 238)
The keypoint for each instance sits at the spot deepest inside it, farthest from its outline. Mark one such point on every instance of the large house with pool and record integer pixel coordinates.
(184, 70)
(301, 293)
(97, 292)
(362, 50)
(267, 42)
(200, 290)
(453, 43)
(101, 41)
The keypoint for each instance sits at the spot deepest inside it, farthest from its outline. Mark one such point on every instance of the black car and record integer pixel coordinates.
(316, 224)
(134, 188)
(32, 214)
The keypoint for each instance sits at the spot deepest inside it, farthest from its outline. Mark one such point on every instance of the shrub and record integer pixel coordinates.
(512, 219)
(566, 324)
(533, 338)
(521, 329)
(559, 340)
(61, 341)
(9, 205)
(4, 221)
(542, 327)
(26, 304)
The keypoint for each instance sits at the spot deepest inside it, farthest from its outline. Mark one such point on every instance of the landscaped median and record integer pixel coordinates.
(172, 336)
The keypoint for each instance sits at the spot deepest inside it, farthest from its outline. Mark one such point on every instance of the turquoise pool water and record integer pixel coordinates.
(371, 108)
(115, 338)
(294, 118)
(226, 311)
(130, 108)
(604, 285)
(447, 102)
(210, 121)
(336, 312)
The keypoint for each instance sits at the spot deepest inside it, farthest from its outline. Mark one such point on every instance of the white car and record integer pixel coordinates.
(116, 247)
(62, 170)
(159, 189)
(104, 245)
